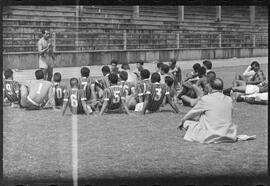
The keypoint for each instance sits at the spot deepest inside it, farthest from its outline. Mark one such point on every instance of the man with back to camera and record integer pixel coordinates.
(46, 55)
(37, 93)
(210, 120)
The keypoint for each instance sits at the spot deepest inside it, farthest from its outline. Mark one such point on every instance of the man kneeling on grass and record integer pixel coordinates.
(114, 97)
(210, 120)
(155, 94)
(75, 98)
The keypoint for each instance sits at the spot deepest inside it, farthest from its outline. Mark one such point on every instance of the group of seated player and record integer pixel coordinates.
(125, 90)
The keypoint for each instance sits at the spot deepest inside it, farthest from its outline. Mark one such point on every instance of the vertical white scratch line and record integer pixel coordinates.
(75, 150)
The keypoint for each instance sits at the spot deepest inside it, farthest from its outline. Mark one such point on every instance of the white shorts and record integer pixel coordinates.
(252, 89)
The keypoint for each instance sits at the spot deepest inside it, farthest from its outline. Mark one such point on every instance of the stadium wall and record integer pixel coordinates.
(29, 60)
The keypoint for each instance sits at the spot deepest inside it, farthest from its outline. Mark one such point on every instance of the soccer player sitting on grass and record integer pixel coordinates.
(114, 97)
(102, 83)
(250, 86)
(75, 98)
(207, 65)
(114, 69)
(129, 89)
(173, 93)
(142, 86)
(193, 74)
(247, 76)
(37, 93)
(158, 68)
(58, 91)
(139, 66)
(11, 89)
(177, 73)
(165, 72)
(155, 94)
(88, 85)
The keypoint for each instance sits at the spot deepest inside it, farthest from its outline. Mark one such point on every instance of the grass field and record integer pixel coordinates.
(38, 144)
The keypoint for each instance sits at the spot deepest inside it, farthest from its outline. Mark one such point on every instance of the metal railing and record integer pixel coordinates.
(132, 40)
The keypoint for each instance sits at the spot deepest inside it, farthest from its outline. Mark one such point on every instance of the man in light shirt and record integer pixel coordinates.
(46, 56)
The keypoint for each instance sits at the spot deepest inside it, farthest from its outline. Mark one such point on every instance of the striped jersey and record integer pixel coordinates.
(11, 90)
(114, 95)
(85, 84)
(141, 87)
(128, 87)
(74, 97)
(103, 82)
(59, 92)
(156, 92)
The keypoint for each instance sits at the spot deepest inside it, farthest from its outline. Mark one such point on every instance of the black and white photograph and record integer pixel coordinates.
(134, 92)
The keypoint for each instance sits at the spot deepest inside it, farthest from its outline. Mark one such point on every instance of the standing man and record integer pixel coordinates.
(46, 55)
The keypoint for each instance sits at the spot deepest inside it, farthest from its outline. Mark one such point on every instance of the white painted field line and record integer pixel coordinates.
(74, 149)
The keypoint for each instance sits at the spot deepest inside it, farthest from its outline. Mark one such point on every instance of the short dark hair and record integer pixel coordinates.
(165, 68)
(145, 74)
(125, 66)
(216, 83)
(8, 73)
(85, 72)
(159, 64)
(114, 61)
(201, 71)
(57, 77)
(210, 75)
(106, 69)
(140, 62)
(44, 30)
(196, 66)
(113, 78)
(74, 82)
(123, 75)
(39, 74)
(207, 64)
(169, 81)
(173, 60)
(254, 63)
(155, 77)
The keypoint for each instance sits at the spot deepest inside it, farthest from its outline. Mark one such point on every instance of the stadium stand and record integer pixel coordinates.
(95, 28)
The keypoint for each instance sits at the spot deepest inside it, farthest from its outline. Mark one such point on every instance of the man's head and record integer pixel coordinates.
(8, 74)
(145, 74)
(74, 83)
(216, 84)
(201, 71)
(125, 66)
(57, 77)
(113, 78)
(105, 70)
(255, 66)
(139, 64)
(169, 81)
(159, 64)
(210, 75)
(45, 33)
(172, 63)
(207, 64)
(155, 77)
(196, 66)
(114, 64)
(123, 75)
(164, 69)
(85, 72)
(39, 74)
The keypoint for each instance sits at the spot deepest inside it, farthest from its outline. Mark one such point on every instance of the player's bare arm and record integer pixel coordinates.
(86, 111)
(172, 103)
(65, 104)
(104, 107)
(145, 104)
(42, 51)
(125, 106)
